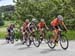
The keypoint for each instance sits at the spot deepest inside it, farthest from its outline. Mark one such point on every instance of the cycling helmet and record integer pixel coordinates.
(60, 17)
(27, 20)
(42, 20)
(34, 20)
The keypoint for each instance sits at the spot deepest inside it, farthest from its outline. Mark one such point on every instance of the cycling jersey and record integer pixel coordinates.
(31, 26)
(9, 29)
(55, 22)
(41, 25)
(25, 26)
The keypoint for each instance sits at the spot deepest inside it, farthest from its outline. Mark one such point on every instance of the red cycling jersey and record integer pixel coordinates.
(55, 22)
(41, 25)
(25, 25)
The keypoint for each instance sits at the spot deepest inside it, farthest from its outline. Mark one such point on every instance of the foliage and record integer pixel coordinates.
(6, 12)
(48, 9)
(1, 22)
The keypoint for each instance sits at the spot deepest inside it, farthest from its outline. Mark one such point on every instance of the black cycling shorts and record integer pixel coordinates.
(53, 27)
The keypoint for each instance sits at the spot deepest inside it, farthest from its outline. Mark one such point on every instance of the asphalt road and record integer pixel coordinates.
(18, 49)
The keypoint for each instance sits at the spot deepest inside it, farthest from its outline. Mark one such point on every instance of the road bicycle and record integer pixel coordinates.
(62, 39)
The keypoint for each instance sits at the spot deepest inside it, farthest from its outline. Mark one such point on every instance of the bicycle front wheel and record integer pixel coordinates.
(64, 43)
(28, 42)
(36, 42)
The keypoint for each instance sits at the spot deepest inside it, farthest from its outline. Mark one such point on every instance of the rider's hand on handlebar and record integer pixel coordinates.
(66, 30)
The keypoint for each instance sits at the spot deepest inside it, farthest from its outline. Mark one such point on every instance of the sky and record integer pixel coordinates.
(6, 2)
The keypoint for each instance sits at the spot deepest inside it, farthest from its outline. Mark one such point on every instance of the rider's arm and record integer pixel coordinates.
(29, 27)
(64, 25)
(35, 27)
(46, 26)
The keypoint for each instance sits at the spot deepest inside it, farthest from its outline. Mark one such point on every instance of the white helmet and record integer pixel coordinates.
(60, 17)
(34, 20)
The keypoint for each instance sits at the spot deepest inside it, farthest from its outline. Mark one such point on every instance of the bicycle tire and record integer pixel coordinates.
(28, 42)
(36, 44)
(50, 43)
(62, 38)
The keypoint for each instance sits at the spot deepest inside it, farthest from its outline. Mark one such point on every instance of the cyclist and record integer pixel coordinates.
(41, 27)
(32, 26)
(56, 28)
(25, 24)
(10, 28)
(24, 28)
(10, 31)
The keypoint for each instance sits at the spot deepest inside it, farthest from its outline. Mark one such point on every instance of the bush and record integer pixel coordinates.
(70, 24)
(3, 35)
(18, 34)
(1, 22)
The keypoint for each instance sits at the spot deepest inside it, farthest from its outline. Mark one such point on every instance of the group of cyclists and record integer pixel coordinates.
(31, 27)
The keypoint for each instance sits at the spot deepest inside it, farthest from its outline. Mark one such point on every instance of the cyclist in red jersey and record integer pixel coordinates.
(55, 26)
(41, 26)
(25, 24)
(24, 28)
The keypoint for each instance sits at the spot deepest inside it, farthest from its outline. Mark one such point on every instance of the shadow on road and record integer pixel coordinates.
(23, 48)
(44, 51)
(17, 44)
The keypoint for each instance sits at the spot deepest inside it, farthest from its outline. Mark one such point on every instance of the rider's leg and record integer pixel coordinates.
(23, 36)
(33, 33)
(55, 34)
(41, 35)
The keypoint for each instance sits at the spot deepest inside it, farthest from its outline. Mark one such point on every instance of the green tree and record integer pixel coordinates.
(48, 9)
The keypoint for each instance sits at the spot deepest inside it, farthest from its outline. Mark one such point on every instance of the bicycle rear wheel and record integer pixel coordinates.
(50, 43)
(64, 43)
(12, 39)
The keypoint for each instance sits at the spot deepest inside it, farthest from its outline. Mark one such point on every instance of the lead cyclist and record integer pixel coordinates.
(55, 26)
